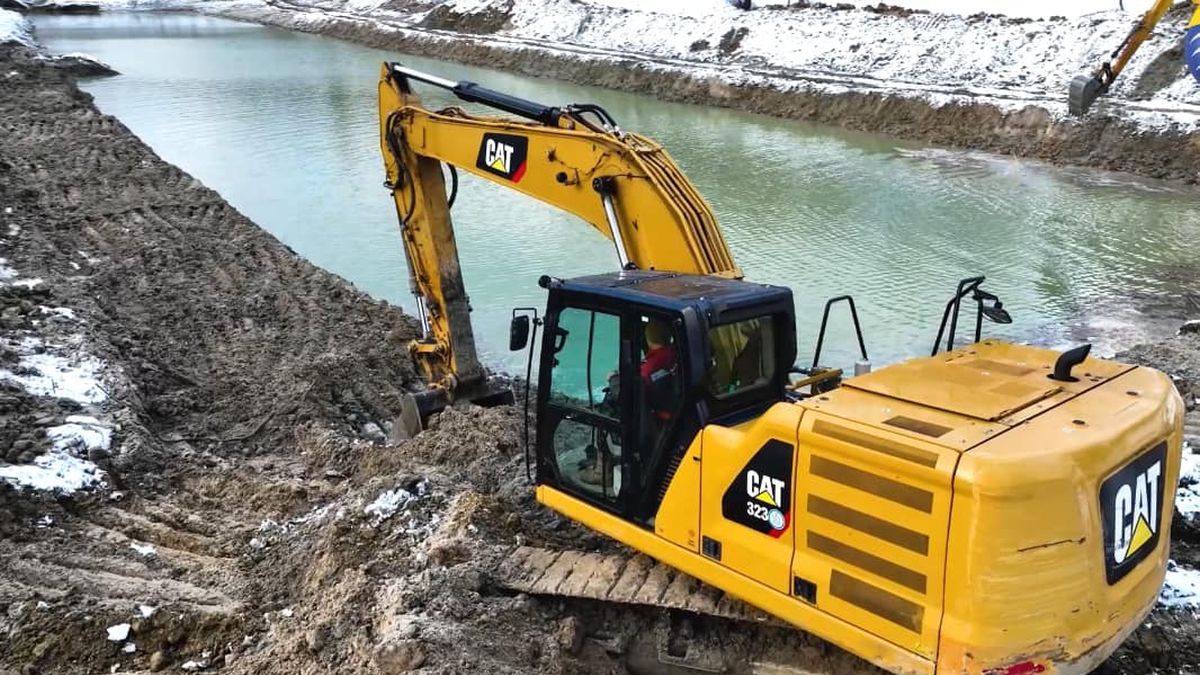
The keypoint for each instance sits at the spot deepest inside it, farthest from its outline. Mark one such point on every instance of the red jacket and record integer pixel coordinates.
(658, 358)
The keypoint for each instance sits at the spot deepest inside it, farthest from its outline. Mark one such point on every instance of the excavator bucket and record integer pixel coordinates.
(416, 408)
(1084, 91)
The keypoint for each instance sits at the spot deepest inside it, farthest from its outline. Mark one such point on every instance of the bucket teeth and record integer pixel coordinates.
(1083, 92)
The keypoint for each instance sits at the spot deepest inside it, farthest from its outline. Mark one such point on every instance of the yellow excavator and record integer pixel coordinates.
(1085, 89)
(992, 509)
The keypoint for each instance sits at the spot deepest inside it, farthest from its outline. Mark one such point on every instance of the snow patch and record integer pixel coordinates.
(54, 471)
(118, 633)
(15, 28)
(29, 283)
(386, 505)
(143, 549)
(64, 312)
(146, 611)
(1181, 587)
(6, 272)
(1187, 496)
(129, 648)
(81, 433)
(74, 376)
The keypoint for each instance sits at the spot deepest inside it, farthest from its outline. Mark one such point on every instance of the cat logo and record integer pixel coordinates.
(1131, 502)
(759, 497)
(764, 488)
(503, 155)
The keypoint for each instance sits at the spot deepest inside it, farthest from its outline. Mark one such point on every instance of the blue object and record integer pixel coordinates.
(1192, 49)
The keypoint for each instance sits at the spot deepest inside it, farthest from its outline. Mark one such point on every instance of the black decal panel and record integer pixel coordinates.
(504, 155)
(761, 496)
(1131, 506)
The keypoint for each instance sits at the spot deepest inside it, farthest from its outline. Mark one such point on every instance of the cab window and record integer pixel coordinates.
(743, 357)
(588, 360)
(584, 402)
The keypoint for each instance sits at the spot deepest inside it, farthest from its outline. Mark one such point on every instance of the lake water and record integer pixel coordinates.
(284, 126)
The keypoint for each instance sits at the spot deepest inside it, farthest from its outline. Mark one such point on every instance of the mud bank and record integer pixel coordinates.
(946, 115)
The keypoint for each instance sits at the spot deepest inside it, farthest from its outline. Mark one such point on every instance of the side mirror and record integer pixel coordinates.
(518, 333)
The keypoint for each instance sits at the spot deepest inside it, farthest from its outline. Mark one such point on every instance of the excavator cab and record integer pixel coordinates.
(634, 363)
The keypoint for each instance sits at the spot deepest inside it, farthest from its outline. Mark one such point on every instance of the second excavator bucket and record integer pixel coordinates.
(1084, 91)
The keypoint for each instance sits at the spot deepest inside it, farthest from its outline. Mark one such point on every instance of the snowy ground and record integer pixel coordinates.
(1182, 586)
(57, 367)
(15, 28)
(1019, 8)
(942, 58)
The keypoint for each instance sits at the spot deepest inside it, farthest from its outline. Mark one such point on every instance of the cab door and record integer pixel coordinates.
(581, 440)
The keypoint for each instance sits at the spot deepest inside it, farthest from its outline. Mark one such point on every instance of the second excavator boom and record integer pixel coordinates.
(1085, 89)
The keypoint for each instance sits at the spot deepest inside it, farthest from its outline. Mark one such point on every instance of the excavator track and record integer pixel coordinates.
(636, 580)
(631, 579)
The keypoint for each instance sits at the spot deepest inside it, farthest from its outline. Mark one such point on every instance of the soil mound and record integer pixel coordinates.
(227, 340)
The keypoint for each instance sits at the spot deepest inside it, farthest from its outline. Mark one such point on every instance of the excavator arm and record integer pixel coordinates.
(1085, 89)
(574, 157)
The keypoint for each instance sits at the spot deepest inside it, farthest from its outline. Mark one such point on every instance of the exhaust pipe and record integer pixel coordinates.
(1067, 361)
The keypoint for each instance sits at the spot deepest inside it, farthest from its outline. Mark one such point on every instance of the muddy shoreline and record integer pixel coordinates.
(1101, 142)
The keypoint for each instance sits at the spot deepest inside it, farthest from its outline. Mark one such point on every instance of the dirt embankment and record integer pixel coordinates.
(1102, 141)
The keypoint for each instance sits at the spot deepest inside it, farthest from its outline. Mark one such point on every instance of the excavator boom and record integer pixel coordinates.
(574, 157)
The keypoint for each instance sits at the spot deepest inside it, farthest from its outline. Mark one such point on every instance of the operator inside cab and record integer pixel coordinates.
(658, 366)
(658, 373)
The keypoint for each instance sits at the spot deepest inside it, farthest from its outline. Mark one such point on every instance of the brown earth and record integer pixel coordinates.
(1100, 142)
(252, 391)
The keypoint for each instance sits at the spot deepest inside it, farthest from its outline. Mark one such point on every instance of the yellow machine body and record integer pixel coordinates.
(960, 513)
(946, 513)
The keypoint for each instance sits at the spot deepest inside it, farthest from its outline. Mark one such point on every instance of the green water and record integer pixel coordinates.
(283, 125)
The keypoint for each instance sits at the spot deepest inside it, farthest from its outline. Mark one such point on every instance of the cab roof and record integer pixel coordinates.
(672, 291)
